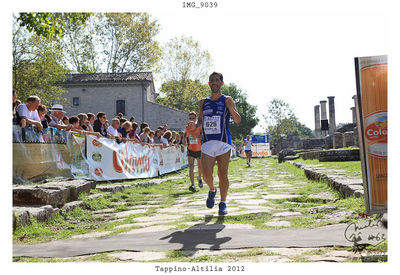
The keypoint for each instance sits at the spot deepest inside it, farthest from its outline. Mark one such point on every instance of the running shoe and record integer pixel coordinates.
(211, 198)
(222, 209)
(192, 188)
(200, 183)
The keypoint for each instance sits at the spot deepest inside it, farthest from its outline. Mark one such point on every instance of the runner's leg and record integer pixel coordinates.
(199, 165)
(207, 165)
(223, 164)
(191, 169)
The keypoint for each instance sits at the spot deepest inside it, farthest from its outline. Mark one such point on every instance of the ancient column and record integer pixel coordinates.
(354, 114)
(332, 122)
(317, 122)
(324, 119)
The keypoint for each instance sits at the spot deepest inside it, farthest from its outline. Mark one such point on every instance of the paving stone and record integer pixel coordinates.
(270, 259)
(323, 196)
(69, 206)
(280, 196)
(212, 253)
(41, 213)
(287, 214)
(158, 218)
(91, 235)
(278, 223)
(287, 252)
(130, 212)
(138, 256)
(322, 208)
(324, 258)
(251, 201)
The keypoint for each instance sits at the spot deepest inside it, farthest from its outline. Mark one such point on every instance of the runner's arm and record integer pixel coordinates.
(230, 104)
(200, 118)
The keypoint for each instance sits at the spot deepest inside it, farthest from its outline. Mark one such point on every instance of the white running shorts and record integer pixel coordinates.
(215, 148)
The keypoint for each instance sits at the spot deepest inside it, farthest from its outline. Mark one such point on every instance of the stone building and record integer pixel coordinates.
(132, 94)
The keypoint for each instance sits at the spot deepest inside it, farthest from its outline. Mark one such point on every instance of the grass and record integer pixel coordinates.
(352, 168)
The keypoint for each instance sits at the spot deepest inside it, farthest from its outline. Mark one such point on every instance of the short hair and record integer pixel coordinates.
(132, 118)
(115, 119)
(73, 119)
(221, 77)
(146, 129)
(120, 115)
(126, 125)
(100, 114)
(143, 125)
(82, 116)
(135, 126)
(122, 120)
(90, 115)
(193, 113)
(65, 118)
(32, 98)
(41, 108)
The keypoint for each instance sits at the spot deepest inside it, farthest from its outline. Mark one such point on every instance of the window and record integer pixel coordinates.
(75, 101)
(121, 106)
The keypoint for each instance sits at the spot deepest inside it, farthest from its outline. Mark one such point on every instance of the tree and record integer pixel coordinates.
(128, 42)
(280, 120)
(245, 109)
(37, 66)
(183, 59)
(48, 25)
(183, 95)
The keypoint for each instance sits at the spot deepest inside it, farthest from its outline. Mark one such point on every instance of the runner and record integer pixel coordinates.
(214, 115)
(247, 149)
(193, 136)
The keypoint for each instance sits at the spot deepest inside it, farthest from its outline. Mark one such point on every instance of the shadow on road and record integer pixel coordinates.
(201, 233)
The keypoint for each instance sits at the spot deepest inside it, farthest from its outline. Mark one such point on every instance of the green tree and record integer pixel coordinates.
(183, 59)
(37, 66)
(128, 42)
(245, 109)
(183, 95)
(280, 120)
(49, 25)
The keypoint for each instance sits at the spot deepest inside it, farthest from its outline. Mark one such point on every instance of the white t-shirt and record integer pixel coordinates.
(248, 145)
(23, 111)
(112, 131)
(164, 141)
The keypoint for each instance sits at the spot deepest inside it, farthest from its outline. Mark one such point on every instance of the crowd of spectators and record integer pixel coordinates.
(120, 129)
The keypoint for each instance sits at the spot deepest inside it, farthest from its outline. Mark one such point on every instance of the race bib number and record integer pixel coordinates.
(192, 139)
(212, 125)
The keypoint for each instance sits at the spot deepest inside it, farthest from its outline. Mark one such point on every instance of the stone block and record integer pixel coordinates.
(41, 213)
(20, 218)
(74, 187)
(28, 195)
(71, 206)
(337, 140)
(348, 139)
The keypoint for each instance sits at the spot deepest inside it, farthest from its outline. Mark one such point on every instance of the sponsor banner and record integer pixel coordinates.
(108, 160)
(172, 159)
(77, 145)
(258, 150)
(372, 124)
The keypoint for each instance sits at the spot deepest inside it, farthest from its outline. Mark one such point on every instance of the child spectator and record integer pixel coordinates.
(90, 121)
(133, 134)
(144, 137)
(99, 124)
(166, 138)
(83, 121)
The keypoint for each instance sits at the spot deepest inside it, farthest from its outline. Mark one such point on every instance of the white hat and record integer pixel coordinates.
(57, 107)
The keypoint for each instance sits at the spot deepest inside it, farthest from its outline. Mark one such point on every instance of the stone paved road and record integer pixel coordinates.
(265, 196)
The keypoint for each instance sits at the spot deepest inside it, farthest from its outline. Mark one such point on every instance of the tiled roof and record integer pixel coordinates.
(108, 77)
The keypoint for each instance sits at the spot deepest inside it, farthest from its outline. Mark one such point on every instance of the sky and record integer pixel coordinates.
(300, 58)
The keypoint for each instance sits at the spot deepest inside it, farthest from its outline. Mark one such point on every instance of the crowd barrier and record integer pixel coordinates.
(57, 153)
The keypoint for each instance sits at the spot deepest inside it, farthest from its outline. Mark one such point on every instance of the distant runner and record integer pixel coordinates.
(214, 115)
(247, 149)
(192, 135)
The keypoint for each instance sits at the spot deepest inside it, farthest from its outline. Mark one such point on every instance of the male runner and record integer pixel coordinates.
(247, 149)
(214, 115)
(192, 135)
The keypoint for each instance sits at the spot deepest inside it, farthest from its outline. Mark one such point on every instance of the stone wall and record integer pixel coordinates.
(333, 155)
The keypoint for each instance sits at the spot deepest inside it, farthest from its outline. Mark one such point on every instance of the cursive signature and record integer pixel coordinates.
(357, 233)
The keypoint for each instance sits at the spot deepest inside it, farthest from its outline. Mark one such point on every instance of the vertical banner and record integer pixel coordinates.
(372, 123)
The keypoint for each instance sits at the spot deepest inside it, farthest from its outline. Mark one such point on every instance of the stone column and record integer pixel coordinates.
(332, 121)
(324, 119)
(354, 114)
(317, 122)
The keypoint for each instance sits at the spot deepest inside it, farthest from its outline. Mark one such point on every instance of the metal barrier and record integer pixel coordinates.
(31, 134)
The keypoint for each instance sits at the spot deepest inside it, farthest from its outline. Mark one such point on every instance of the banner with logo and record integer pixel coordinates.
(372, 124)
(260, 147)
(108, 160)
(172, 159)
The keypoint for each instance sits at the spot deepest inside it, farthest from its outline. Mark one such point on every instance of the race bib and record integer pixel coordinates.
(192, 139)
(212, 125)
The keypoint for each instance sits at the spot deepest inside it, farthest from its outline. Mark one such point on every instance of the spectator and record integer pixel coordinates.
(83, 121)
(14, 112)
(151, 137)
(125, 129)
(113, 129)
(57, 120)
(90, 121)
(181, 137)
(133, 134)
(28, 112)
(132, 119)
(165, 128)
(99, 124)
(142, 126)
(144, 137)
(173, 139)
(74, 121)
(65, 120)
(120, 115)
(158, 136)
(166, 138)
(42, 112)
